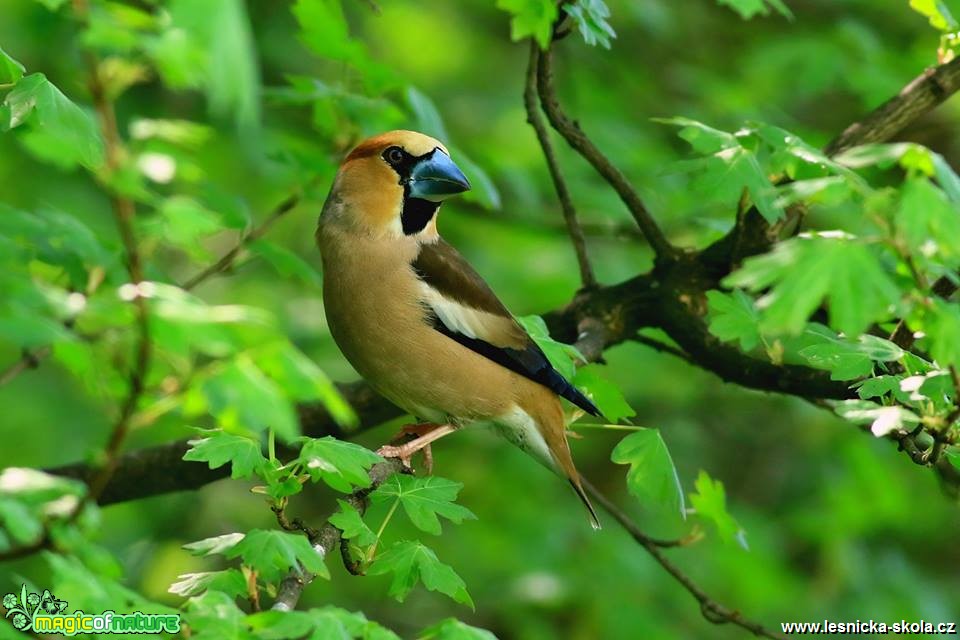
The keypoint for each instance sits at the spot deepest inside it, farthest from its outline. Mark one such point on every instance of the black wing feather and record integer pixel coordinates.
(530, 362)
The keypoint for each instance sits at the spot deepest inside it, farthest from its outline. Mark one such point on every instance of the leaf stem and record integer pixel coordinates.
(272, 445)
(373, 548)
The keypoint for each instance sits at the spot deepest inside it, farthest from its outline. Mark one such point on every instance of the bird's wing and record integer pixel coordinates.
(465, 309)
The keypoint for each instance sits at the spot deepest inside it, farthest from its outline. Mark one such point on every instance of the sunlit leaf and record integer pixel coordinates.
(10, 69)
(937, 13)
(606, 395)
(219, 448)
(652, 478)
(229, 581)
(342, 465)
(412, 562)
(710, 503)
(530, 18)
(273, 554)
(424, 499)
(453, 629)
(734, 317)
(802, 273)
(351, 523)
(37, 102)
(591, 18)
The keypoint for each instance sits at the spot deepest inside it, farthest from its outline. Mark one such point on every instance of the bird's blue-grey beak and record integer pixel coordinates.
(436, 177)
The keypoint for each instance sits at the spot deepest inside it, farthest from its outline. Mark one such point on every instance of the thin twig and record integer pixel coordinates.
(534, 117)
(582, 144)
(711, 609)
(29, 360)
(227, 259)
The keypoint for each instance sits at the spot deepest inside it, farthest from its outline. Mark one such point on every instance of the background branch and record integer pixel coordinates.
(535, 119)
(577, 139)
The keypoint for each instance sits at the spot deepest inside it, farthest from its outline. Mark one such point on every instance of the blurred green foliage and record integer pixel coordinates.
(226, 108)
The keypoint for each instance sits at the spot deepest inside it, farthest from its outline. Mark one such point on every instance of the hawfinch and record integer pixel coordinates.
(415, 319)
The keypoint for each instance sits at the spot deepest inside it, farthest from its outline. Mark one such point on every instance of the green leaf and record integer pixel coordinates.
(937, 13)
(16, 518)
(412, 562)
(882, 420)
(424, 499)
(68, 130)
(942, 324)
(36, 488)
(734, 317)
(425, 114)
(218, 32)
(803, 272)
(750, 8)
(351, 523)
(591, 18)
(652, 478)
(215, 616)
(927, 221)
(217, 545)
(356, 625)
(953, 455)
(219, 448)
(704, 139)
(849, 359)
(273, 554)
(342, 465)
(52, 5)
(302, 380)
(325, 31)
(606, 395)
(710, 503)
(240, 394)
(10, 69)
(484, 191)
(229, 581)
(286, 263)
(561, 356)
(453, 629)
(530, 18)
(878, 387)
(289, 625)
(947, 177)
(183, 222)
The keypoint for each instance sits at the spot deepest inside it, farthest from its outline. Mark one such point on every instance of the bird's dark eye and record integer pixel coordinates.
(393, 155)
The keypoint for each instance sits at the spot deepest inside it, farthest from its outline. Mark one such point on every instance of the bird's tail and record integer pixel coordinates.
(578, 487)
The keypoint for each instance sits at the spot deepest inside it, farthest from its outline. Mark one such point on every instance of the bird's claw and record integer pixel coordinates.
(425, 434)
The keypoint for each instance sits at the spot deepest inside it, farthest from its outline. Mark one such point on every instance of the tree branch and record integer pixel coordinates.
(922, 94)
(577, 139)
(534, 117)
(325, 539)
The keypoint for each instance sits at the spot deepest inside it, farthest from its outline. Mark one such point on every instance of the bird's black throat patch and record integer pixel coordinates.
(416, 214)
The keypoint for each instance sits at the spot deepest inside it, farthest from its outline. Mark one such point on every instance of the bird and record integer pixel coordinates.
(418, 322)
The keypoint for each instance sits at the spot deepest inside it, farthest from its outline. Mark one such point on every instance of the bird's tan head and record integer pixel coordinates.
(395, 182)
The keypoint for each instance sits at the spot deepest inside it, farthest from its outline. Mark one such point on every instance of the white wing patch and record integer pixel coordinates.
(457, 317)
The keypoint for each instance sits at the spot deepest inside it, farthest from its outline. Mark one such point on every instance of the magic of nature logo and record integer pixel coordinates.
(44, 613)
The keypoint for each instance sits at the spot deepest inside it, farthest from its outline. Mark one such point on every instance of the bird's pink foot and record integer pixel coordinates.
(425, 433)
